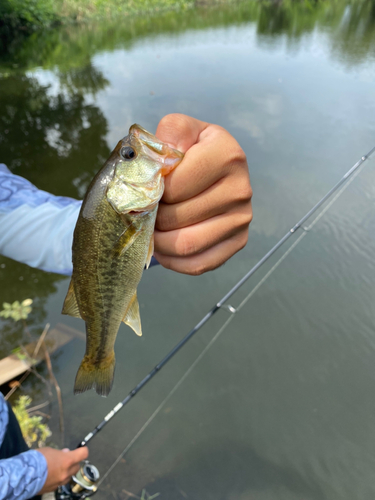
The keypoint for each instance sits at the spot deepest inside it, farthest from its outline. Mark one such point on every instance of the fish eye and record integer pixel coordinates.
(128, 153)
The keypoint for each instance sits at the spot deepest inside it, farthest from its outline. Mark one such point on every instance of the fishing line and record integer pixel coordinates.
(353, 172)
(226, 323)
(196, 361)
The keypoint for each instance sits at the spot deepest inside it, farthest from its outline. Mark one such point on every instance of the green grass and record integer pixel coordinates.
(88, 9)
(22, 17)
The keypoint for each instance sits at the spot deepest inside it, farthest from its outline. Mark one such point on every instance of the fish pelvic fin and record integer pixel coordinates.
(70, 306)
(132, 317)
(95, 375)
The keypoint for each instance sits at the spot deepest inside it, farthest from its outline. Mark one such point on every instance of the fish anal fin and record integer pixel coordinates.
(150, 252)
(132, 317)
(70, 306)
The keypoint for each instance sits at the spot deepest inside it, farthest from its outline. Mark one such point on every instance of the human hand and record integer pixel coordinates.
(62, 465)
(204, 215)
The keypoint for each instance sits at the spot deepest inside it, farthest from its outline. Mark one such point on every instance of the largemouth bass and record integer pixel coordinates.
(113, 242)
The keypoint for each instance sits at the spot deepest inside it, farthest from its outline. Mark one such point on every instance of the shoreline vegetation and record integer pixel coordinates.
(23, 17)
(20, 18)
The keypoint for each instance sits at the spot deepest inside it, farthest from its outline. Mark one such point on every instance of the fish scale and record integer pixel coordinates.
(112, 243)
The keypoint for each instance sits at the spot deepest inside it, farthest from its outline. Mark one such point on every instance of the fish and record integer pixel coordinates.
(113, 242)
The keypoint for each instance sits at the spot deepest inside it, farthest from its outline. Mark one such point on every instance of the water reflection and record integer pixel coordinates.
(304, 120)
(21, 282)
(50, 136)
(349, 24)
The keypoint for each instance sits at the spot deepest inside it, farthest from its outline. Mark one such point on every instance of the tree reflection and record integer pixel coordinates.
(49, 133)
(349, 23)
(53, 135)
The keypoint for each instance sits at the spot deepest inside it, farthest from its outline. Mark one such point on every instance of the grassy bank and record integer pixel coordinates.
(19, 17)
(292, 17)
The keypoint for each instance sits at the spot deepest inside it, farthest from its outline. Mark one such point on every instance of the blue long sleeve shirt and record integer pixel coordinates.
(22, 476)
(37, 227)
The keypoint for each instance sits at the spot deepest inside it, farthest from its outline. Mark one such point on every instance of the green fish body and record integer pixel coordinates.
(112, 243)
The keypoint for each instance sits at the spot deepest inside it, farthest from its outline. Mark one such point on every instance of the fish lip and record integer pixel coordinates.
(160, 151)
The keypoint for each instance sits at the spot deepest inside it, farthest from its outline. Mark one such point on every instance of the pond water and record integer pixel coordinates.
(282, 405)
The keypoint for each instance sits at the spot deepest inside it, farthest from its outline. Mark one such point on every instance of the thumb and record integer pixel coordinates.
(79, 454)
(180, 131)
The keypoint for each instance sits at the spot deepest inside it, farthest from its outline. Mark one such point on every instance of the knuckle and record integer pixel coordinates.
(248, 216)
(237, 154)
(199, 269)
(243, 219)
(243, 239)
(244, 191)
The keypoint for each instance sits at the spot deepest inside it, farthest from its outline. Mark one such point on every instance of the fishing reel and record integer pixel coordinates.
(82, 485)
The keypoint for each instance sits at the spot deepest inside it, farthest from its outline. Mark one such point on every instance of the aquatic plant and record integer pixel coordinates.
(20, 311)
(32, 427)
(17, 310)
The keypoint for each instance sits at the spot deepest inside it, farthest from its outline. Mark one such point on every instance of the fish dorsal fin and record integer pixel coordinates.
(150, 251)
(70, 306)
(132, 317)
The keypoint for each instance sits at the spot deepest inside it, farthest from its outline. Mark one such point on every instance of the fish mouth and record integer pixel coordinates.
(157, 149)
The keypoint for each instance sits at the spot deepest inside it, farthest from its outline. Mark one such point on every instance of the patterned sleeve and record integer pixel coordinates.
(22, 476)
(36, 226)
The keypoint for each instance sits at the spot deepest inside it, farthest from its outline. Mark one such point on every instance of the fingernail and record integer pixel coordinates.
(65, 449)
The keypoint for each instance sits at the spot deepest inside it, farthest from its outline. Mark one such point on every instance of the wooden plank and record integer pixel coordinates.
(70, 331)
(12, 366)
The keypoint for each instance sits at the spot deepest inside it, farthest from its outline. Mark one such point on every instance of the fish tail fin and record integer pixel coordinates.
(98, 375)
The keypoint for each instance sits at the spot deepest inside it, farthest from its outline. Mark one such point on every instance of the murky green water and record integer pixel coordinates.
(282, 406)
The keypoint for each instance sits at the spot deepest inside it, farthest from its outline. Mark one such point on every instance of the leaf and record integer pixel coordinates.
(15, 315)
(27, 302)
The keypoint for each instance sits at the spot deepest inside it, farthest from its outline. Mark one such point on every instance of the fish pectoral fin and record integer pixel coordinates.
(132, 317)
(150, 252)
(70, 306)
(125, 240)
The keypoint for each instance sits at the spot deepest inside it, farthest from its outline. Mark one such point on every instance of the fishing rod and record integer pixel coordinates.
(85, 481)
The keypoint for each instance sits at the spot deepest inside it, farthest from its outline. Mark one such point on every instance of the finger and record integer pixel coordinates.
(73, 469)
(216, 155)
(206, 261)
(79, 454)
(197, 238)
(216, 200)
(180, 131)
